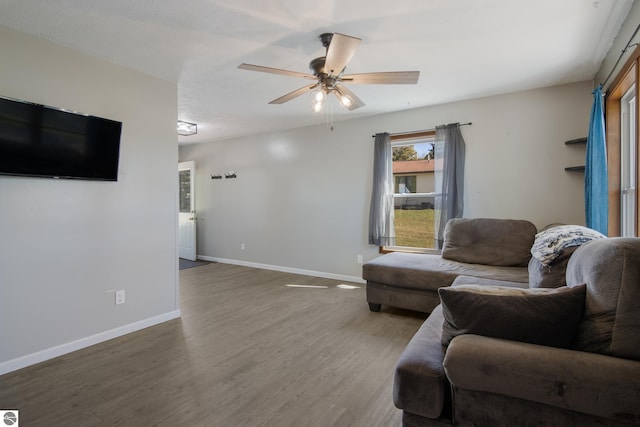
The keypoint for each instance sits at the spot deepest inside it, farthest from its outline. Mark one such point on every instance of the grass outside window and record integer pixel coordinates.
(414, 228)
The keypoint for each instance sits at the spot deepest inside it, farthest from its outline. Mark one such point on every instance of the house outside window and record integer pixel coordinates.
(405, 184)
(414, 186)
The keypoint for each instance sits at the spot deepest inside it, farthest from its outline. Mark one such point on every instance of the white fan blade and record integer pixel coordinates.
(347, 99)
(296, 93)
(383, 78)
(271, 70)
(339, 53)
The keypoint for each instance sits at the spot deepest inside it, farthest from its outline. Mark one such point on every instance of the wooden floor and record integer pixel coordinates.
(248, 351)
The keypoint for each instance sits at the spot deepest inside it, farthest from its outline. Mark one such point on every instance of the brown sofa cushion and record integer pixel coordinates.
(541, 386)
(552, 275)
(489, 241)
(430, 272)
(537, 316)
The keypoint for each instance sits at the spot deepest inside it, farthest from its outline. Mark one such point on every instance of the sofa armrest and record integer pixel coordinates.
(419, 385)
(589, 383)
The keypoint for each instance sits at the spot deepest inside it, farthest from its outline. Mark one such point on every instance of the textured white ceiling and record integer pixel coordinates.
(463, 49)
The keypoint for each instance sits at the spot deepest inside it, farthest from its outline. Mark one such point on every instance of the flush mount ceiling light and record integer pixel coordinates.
(186, 128)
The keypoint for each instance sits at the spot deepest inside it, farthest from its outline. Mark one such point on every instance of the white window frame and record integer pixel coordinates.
(400, 143)
(628, 163)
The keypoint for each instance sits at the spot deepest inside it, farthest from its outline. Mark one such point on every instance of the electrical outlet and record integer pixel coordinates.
(359, 259)
(242, 246)
(119, 297)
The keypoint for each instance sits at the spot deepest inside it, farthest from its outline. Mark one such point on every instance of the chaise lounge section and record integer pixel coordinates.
(489, 248)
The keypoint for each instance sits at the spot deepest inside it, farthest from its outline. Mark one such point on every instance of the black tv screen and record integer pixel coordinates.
(37, 140)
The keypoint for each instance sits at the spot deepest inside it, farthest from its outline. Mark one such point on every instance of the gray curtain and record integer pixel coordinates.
(381, 230)
(449, 163)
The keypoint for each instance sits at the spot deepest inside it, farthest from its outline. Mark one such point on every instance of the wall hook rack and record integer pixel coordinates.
(216, 176)
(231, 174)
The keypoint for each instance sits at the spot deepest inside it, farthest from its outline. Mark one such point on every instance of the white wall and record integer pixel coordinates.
(65, 243)
(301, 199)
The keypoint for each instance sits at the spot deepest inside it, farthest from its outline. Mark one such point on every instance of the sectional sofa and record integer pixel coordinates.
(526, 327)
(510, 355)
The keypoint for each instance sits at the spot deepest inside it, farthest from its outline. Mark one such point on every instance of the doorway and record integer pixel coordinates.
(187, 211)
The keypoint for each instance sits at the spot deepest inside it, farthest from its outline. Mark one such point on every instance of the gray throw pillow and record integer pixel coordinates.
(538, 316)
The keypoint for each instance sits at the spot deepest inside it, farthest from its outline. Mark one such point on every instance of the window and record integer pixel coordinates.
(414, 191)
(405, 184)
(622, 142)
(628, 162)
(184, 177)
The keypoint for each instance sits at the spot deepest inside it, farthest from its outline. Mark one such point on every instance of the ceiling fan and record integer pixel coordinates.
(328, 74)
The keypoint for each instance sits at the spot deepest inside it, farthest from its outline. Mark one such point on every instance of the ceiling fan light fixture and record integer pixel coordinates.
(343, 98)
(318, 98)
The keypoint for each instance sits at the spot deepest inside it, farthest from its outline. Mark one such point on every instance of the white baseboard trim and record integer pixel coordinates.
(324, 275)
(50, 353)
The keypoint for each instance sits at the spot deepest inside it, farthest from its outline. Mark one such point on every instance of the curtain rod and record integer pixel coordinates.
(621, 54)
(420, 131)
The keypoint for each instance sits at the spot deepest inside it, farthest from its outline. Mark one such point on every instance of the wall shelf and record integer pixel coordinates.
(577, 141)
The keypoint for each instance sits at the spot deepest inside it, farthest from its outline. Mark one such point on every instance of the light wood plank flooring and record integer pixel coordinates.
(248, 351)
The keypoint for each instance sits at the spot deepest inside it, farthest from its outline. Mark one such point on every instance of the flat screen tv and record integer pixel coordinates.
(41, 141)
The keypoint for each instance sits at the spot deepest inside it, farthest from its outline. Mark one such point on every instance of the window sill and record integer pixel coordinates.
(407, 249)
